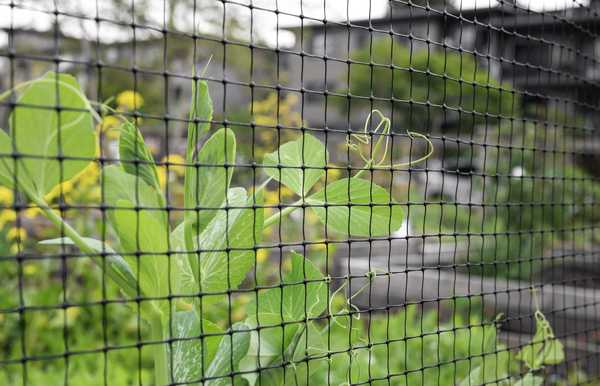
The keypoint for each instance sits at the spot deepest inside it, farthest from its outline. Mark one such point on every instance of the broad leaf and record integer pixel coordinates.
(281, 314)
(115, 264)
(7, 160)
(194, 348)
(357, 207)
(296, 299)
(207, 181)
(227, 244)
(231, 350)
(183, 278)
(119, 185)
(144, 240)
(135, 157)
(298, 164)
(43, 135)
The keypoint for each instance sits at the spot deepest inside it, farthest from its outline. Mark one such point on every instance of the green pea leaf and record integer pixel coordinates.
(135, 157)
(298, 164)
(116, 266)
(228, 242)
(357, 207)
(193, 342)
(304, 294)
(7, 161)
(207, 184)
(201, 111)
(119, 185)
(281, 314)
(231, 351)
(52, 119)
(145, 244)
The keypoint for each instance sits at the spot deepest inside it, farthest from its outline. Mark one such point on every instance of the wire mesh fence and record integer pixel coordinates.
(271, 192)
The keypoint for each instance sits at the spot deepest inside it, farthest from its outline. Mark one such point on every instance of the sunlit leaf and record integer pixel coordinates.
(208, 182)
(195, 346)
(357, 207)
(298, 164)
(135, 157)
(53, 132)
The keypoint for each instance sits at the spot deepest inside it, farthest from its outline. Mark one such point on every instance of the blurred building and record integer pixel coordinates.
(548, 56)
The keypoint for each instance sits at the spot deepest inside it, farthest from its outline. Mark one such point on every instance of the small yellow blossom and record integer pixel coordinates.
(72, 313)
(176, 163)
(6, 216)
(162, 176)
(63, 188)
(333, 174)
(30, 269)
(15, 248)
(130, 100)
(17, 233)
(320, 246)
(271, 197)
(286, 192)
(262, 254)
(109, 122)
(32, 212)
(6, 195)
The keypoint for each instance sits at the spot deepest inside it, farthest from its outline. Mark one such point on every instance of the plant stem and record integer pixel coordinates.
(274, 219)
(160, 352)
(78, 240)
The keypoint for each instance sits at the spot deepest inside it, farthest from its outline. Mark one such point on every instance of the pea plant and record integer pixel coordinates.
(176, 272)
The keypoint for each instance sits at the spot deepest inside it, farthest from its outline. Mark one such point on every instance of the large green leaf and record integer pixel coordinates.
(227, 244)
(7, 161)
(231, 351)
(357, 207)
(303, 294)
(114, 263)
(208, 183)
(195, 346)
(145, 243)
(298, 164)
(281, 313)
(53, 132)
(119, 185)
(135, 157)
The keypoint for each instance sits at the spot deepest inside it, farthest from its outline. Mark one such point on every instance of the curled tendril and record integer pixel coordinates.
(382, 129)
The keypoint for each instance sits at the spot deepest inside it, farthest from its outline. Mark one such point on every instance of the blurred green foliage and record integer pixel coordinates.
(430, 88)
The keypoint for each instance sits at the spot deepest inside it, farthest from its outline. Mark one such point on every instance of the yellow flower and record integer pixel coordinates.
(271, 198)
(6, 216)
(176, 163)
(6, 195)
(63, 188)
(17, 233)
(72, 313)
(15, 248)
(286, 192)
(30, 269)
(109, 122)
(262, 255)
(130, 100)
(333, 174)
(32, 212)
(162, 176)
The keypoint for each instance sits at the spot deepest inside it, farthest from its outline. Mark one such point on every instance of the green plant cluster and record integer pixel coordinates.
(179, 272)
(441, 86)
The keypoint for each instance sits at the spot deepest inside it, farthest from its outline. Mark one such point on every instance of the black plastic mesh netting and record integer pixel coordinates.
(299, 192)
